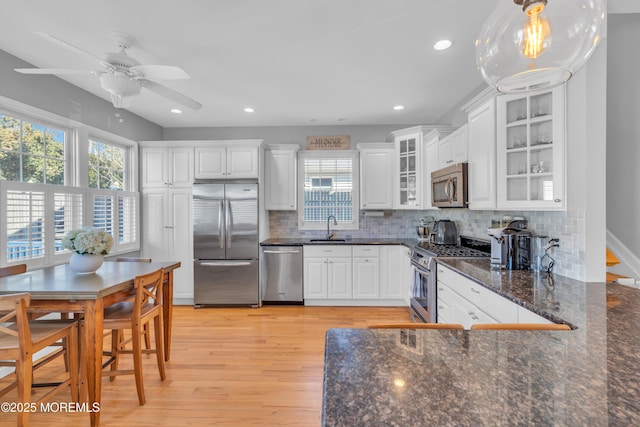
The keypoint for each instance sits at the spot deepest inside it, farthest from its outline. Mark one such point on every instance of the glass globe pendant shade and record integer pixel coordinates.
(535, 44)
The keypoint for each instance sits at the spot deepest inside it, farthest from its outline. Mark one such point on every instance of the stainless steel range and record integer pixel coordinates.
(423, 294)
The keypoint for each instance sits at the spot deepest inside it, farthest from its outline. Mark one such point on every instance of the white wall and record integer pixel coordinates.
(623, 130)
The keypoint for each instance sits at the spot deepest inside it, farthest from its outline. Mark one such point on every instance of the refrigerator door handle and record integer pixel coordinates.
(227, 218)
(225, 263)
(220, 228)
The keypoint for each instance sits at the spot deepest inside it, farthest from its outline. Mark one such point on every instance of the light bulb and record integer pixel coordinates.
(536, 31)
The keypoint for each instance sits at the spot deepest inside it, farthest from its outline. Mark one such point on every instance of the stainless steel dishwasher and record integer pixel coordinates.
(281, 274)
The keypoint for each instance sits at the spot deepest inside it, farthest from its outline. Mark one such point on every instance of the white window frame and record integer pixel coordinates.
(355, 192)
(76, 175)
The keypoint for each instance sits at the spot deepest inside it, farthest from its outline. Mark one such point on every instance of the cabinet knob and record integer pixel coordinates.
(440, 307)
(557, 200)
(168, 226)
(475, 291)
(441, 289)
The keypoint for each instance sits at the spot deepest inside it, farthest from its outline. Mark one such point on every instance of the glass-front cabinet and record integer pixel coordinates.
(409, 185)
(531, 146)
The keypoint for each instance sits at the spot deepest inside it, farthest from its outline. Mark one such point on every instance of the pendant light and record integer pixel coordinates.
(535, 44)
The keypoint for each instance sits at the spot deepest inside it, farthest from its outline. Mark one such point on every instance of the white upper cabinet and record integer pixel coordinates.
(453, 148)
(164, 167)
(227, 161)
(530, 152)
(376, 175)
(411, 179)
(280, 176)
(431, 162)
(481, 134)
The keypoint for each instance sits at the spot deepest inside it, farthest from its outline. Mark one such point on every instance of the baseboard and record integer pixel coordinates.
(355, 303)
(629, 262)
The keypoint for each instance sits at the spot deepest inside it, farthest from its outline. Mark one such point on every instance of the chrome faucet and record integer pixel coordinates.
(331, 235)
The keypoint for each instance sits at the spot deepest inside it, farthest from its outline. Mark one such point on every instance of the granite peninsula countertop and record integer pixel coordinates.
(587, 376)
(302, 241)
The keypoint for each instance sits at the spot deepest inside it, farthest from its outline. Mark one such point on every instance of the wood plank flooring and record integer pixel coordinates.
(230, 367)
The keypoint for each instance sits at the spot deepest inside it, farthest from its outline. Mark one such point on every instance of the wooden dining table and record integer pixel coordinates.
(60, 289)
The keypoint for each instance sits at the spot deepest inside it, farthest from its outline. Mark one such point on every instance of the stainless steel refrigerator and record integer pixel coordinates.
(225, 244)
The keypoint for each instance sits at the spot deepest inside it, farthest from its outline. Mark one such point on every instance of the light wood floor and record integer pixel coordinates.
(230, 367)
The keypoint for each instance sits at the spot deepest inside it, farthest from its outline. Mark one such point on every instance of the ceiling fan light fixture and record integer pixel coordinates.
(540, 44)
(121, 87)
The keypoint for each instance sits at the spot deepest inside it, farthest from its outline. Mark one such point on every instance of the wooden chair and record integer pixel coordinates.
(20, 339)
(521, 326)
(417, 326)
(132, 316)
(147, 335)
(13, 269)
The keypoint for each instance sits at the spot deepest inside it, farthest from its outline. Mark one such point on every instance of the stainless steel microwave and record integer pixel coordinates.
(449, 188)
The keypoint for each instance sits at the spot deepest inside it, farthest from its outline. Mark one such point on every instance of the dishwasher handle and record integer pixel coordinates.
(281, 252)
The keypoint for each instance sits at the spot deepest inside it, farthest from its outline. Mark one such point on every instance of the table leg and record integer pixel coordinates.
(167, 312)
(92, 335)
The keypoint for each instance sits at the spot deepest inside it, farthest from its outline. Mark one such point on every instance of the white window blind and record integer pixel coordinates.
(330, 188)
(103, 210)
(67, 214)
(116, 212)
(127, 221)
(25, 224)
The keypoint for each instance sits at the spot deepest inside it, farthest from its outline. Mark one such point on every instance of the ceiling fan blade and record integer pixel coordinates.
(170, 93)
(69, 46)
(160, 72)
(58, 71)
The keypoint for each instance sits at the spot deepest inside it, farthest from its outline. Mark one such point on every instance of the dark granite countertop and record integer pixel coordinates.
(587, 376)
(307, 241)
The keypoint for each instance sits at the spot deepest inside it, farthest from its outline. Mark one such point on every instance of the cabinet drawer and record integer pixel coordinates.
(496, 306)
(366, 251)
(327, 251)
(443, 310)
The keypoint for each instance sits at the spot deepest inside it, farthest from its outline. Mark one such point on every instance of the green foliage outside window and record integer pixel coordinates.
(106, 165)
(31, 152)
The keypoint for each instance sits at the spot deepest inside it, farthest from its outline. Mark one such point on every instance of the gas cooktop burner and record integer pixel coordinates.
(450, 250)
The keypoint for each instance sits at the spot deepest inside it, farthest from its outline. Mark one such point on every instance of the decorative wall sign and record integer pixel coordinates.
(340, 142)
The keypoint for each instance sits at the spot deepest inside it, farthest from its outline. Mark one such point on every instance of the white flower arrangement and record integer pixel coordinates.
(91, 241)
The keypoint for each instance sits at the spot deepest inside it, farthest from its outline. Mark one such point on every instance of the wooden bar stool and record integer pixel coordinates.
(146, 306)
(521, 326)
(20, 339)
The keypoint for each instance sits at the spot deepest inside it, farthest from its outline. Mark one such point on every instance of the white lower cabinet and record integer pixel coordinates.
(461, 300)
(368, 275)
(366, 272)
(327, 272)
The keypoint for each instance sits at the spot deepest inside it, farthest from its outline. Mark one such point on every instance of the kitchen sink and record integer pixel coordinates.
(327, 240)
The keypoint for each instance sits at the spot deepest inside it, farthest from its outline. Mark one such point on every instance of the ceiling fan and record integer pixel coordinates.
(121, 75)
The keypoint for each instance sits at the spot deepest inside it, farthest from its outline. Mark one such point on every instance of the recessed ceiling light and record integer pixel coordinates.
(398, 107)
(176, 111)
(442, 44)
(249, 110)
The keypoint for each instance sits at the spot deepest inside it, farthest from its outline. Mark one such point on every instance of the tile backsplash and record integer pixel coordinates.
(568, 226)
